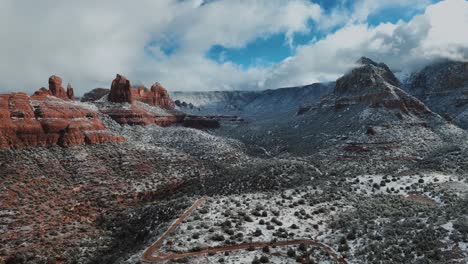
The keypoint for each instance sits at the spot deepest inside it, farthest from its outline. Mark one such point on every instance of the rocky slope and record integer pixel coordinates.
(365, 114)
(443, 86)
(252, 105)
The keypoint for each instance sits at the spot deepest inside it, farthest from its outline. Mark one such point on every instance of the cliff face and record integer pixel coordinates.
(130, 106)
(157, 95)
(43, 121)
(443, 86)
(374, 85)
(122, 92)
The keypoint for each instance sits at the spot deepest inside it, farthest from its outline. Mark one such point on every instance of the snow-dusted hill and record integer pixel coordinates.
(443, 87)
(253, 105)
(366, 114)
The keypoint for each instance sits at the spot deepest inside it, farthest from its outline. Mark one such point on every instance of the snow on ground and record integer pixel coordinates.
(257, 217)
(402, 185)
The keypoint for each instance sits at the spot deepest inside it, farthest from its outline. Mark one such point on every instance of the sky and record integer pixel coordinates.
(204, 45)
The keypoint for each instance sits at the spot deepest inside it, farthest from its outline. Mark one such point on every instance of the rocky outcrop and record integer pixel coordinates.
(443, 86)
(121, 90)
(42, 92)
(70, 92)
(374, 85)
(160, 97)
(439, 78)
(56, 88)
(138, 106)
(94, 94)
(368, 74)
(43, 121)
(156, 96)
(135, 114)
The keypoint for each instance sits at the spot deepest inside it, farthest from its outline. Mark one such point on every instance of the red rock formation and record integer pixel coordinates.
(156, 96)
(121, 90)
(42, 92)
(43, 121)
(70, 92)
(56, 88)
(136, 115)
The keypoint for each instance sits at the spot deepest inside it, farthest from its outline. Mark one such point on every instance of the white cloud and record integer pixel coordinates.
(440, 32)
(87, 42)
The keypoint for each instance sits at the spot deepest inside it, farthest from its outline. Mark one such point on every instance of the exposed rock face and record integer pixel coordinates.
(121, 90)
(70, 92)
(156, 96)
(138, 106)
(135, 114)
(374, 84)
(94, 94)
(443, 86)
(368, 74)
(43, 121)
(441, 77)
(56, 88)
(161, 97)
(42, 92)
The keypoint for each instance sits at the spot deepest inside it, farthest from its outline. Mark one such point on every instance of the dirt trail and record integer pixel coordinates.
(149, 256)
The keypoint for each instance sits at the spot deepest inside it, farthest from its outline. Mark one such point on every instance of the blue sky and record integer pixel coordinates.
(220, 44)
(271, 49)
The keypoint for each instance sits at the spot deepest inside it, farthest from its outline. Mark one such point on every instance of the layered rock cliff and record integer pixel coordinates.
(43, 120)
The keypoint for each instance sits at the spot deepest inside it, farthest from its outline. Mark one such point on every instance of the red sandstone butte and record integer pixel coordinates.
(156, 96)
(70, 92)
(121, 90)
(56, 88)
(43, 121)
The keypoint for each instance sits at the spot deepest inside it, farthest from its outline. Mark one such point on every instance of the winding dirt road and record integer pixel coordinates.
(149, 255)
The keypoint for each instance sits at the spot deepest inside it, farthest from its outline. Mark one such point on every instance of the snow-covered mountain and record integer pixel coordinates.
(443, 87)
(367, 112)
(254, 104)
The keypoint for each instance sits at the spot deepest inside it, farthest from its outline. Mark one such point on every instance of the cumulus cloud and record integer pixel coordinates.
(440, 32)
(87, 42)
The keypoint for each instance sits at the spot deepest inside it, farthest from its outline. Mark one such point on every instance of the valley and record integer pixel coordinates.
(366, 169)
